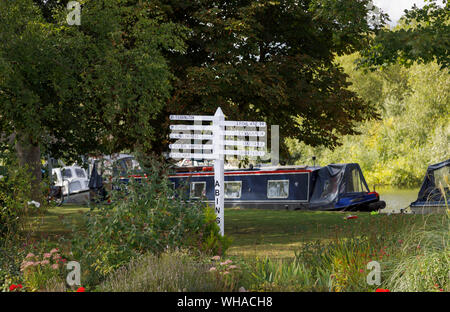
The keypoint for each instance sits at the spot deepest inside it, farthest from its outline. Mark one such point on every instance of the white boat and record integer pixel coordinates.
(74, 183)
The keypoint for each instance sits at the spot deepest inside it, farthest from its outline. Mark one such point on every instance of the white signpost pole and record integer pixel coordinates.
(218, 147)
(219, 189)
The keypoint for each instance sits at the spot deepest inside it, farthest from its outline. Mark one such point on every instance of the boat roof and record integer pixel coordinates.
(258, 168)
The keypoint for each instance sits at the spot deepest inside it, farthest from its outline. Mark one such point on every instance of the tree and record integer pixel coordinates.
(70, 90)
(423, 36)
(270, 60)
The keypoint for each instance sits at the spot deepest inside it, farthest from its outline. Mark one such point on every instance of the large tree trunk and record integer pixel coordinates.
(29, 155)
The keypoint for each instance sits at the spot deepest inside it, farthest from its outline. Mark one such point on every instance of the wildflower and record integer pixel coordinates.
(45, 262)
(25, 265)
(47, 255)
(55, 266)
(400, 241)
(361, 270)
(30, 255)
(215, 258)
(81, 289)
(212, 269)
(54, 250)
(14, 287)
(382, 290)
(226, 272)
(232, 267)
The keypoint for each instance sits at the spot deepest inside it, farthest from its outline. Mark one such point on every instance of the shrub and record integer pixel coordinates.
(145, 215)
(14, 196)
(40, 268)
(286, 275)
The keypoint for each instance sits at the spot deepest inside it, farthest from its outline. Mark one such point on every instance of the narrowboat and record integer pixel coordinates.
(336, 187)
(434, 193)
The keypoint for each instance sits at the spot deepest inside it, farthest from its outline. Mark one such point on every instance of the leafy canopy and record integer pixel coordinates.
(83, 89)
(422, 36)
(270, 60)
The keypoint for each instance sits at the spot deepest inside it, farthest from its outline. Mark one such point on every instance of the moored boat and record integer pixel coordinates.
(333, 187)
(434, 193)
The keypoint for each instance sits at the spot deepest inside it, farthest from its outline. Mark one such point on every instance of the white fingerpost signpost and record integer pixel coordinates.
(217, 136)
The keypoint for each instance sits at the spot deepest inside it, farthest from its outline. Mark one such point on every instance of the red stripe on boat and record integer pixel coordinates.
(238, 173)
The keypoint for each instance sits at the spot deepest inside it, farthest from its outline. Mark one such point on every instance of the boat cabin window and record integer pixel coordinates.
(355, 184)
(66, 173)
(277, 189)
(233, 189)
(75, 186)
(198, 189)
(80, 173)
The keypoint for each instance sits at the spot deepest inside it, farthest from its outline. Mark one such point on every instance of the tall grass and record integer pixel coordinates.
(169, 272)
(412, 251)
(424, 264)
(286, 275)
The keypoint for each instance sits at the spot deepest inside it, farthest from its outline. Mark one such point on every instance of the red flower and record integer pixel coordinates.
(81, 289)
(12, 287)
(382, 290)
(20, 285)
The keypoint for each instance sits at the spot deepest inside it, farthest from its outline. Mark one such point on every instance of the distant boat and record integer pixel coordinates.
(336, 187)
(434, 194)
(73, 182)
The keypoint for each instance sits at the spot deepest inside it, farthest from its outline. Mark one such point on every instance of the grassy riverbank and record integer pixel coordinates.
(259, 233)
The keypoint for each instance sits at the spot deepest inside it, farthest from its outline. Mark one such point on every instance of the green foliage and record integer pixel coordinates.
(286, 275)
(424, 259)
(213, 243)
(271, 59)
(38, 269)
(94, 88)
(173, 271)
(14, 196)
(144, 216)
(423, 36)
(414, 131)
(11, 254)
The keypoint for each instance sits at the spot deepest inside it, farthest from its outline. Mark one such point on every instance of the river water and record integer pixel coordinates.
(397, 198)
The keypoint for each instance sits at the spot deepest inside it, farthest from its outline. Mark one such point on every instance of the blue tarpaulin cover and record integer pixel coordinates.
(435, 178)
(333, 182)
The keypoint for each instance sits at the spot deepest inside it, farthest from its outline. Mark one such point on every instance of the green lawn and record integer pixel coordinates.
(278, 233)
(258, 232)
